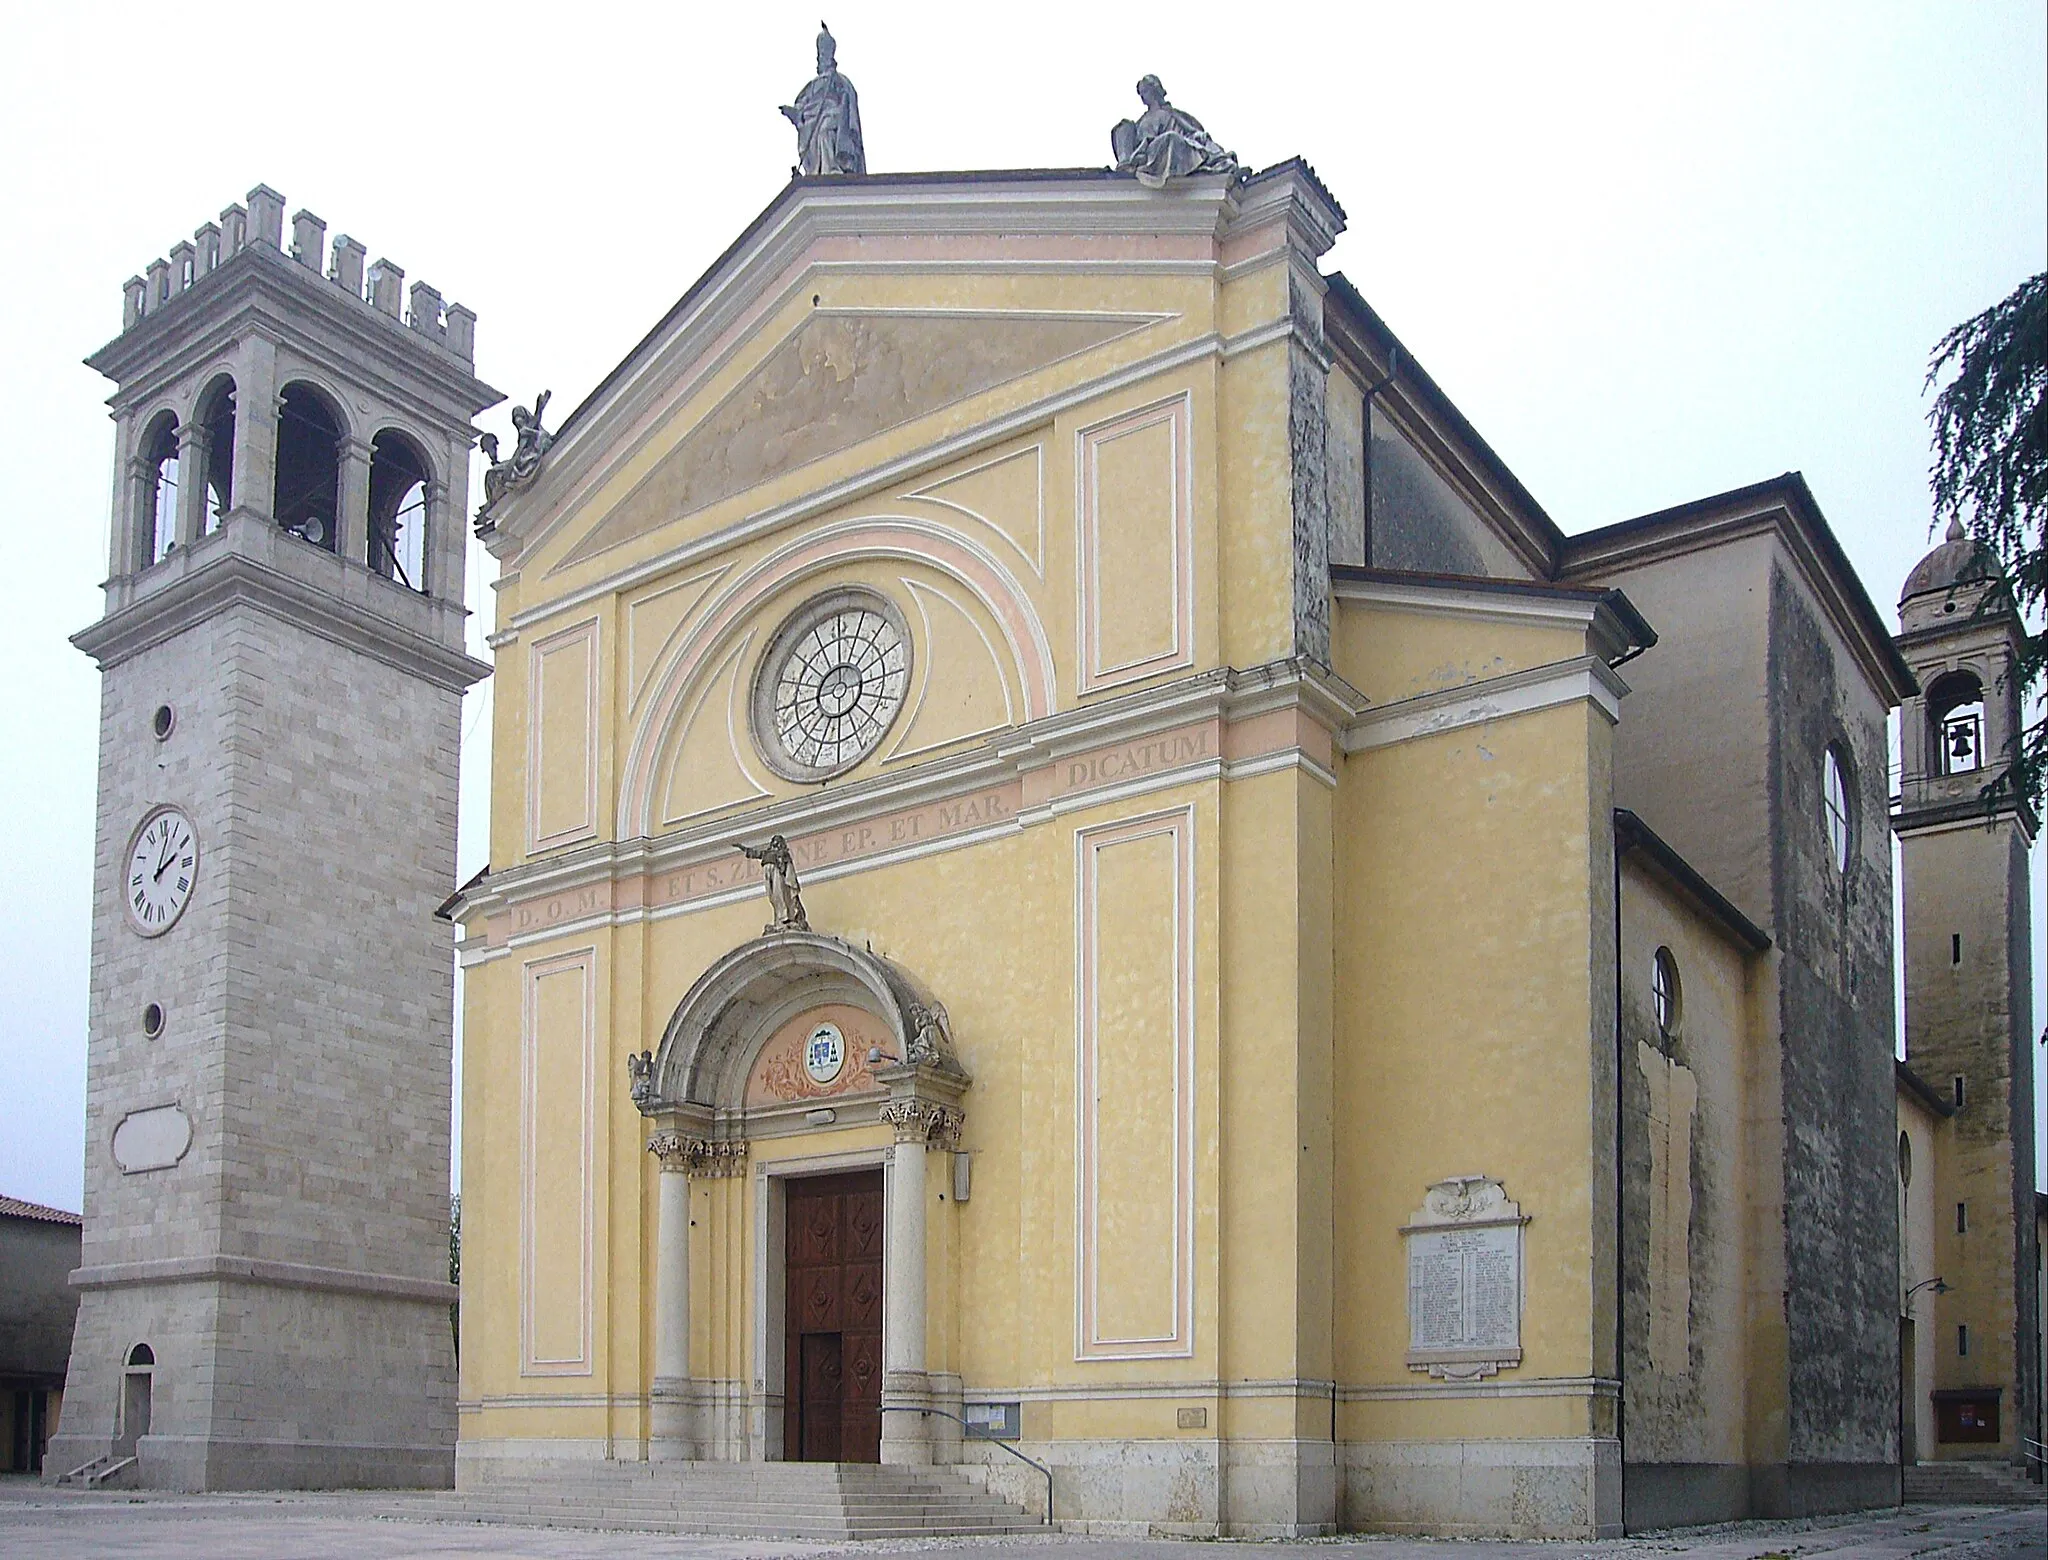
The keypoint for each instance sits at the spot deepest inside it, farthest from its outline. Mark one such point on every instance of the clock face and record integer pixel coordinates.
(162, 866)
(831, 686)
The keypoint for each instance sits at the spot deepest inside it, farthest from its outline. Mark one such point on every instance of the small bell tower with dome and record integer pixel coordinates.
(264, 1295)
(1969, 990)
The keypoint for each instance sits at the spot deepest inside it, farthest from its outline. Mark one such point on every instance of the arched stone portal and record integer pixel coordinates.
(695, 1093)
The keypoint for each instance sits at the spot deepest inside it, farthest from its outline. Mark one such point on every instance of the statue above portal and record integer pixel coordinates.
(785, 893)
(532, 443)
(827, 118)
(1163, 143)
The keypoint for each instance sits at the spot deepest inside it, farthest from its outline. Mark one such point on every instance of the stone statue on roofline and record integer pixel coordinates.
(827, 118)
(532, 441)
(1163, 143)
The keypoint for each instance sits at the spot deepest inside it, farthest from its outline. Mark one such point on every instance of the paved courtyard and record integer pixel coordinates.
(66, 1525)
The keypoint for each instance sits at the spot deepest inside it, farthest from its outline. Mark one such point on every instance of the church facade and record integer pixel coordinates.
(1260, 972)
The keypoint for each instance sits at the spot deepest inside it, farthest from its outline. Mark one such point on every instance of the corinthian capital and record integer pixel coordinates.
(924, 1121)
(723, 1159)
(678, 1154)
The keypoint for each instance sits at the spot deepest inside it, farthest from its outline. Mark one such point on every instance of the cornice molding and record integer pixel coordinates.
(1533, 606)
(1015, 758)
(1582, 679)
(253, 1270)
(246, 563)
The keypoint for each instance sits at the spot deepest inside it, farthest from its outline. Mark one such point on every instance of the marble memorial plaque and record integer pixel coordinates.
(1465, 1280)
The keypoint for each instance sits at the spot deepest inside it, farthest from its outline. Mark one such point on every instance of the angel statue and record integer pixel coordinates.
(531, 442)
(827, 118)
(1163, 143)
(785, 893)
(640, 1077)
(930, 1036)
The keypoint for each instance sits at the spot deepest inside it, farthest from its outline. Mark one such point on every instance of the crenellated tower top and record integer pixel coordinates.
(379, 285)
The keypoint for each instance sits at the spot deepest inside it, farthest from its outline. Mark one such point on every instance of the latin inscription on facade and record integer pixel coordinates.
(1465, 1280)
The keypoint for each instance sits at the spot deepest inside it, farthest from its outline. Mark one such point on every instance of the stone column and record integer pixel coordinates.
(191, 481)
(669, 1426)
(352, 524)
(441, 549)
(672, 1257)
(256, 412)
(678, 1428)
(907, 1437)
(128, 545)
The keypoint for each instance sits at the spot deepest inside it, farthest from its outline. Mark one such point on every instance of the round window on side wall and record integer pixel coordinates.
(1905, 1160)
(163, 722)
(1665, 1000)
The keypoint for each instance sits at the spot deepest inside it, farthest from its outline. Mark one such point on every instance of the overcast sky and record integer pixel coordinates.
(1653, 252)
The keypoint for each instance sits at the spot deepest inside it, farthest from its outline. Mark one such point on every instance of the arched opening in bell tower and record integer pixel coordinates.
(160, 489)
(398, 510)
(216, 416)
(309, 433)
(1955, 715)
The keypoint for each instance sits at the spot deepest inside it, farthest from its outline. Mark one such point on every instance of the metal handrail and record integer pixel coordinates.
(905, 1408)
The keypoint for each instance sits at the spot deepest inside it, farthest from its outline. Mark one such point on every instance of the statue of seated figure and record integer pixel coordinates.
(1163, 143)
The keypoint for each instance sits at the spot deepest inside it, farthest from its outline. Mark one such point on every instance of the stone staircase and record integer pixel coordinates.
(1970, 1484)
(100, 1471)
(833, 1501)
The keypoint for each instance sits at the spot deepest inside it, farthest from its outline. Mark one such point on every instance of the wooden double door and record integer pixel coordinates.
(832, 1328)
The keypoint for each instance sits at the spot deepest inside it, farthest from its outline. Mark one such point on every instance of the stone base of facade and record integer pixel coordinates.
(1668, 1495)
(1531, 1489)
(258, 1385)
(165, 1462)
(1563, 1488)
(1181, 1488)
(694, 1420)
(1820, 1489)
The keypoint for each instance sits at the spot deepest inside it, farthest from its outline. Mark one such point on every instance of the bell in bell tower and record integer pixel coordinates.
(1965, 913)
(264, 1277)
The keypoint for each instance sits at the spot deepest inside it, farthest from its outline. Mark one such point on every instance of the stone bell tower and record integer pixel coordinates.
(264, 1294)
(1969, 991)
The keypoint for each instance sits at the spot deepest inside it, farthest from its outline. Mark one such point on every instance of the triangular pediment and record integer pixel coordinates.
(841, 377)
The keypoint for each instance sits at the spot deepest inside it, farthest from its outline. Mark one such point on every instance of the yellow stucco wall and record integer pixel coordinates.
(1467, 901)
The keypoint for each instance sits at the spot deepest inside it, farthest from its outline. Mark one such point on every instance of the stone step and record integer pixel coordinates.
(1968, 1483)
(832, 1501)
(641, 1523)
(700, 1520)
(923, 1510)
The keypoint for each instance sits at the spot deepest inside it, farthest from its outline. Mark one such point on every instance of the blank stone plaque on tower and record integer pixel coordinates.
(264, 1277)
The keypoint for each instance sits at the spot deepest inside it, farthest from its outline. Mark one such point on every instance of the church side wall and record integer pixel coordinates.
(1833, 934)
(1417, 520)
(1919, 1206)
(1685, 1187)
(1472, 1038)
(1692, 755)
